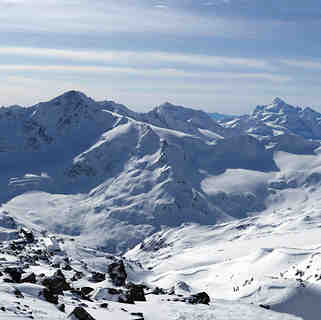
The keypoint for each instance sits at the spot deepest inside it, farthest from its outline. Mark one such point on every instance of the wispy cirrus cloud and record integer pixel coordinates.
(155, 72)
(137, 57)
(242, 49)
(303, 64)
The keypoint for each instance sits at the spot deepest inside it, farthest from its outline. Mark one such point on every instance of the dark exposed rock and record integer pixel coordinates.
(17, 245)
(57, 283)
(104, 305)
(18, 293)
(78, 275)
(80, 314)
(29, 278)
(49, 296)
(117, 273)
(98, 277)
(83, 305)
(80, 294)
(67, 267)
(15, 273)
(136, 291)
(242, 152)
(62, 307)
(6, 221)
(293, 144)
(265, 306)
(86, 290)
(158, 291)
(123, 296)
(201, 297)
(28, 235)
(182, 285)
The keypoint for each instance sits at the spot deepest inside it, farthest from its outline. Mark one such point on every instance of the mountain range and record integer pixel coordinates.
(192, 202)
(125, 174)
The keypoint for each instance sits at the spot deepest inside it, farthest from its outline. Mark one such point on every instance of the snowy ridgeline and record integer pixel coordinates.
(113, 176)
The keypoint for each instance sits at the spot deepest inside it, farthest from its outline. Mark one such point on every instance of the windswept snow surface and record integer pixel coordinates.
(47, 253)
(272, 260)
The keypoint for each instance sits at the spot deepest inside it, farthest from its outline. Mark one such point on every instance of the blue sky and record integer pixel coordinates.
(217, 55)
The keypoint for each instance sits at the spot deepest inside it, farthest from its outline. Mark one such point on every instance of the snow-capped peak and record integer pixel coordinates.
(278, 101)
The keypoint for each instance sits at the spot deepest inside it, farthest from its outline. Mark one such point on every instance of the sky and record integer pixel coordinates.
(217, 55)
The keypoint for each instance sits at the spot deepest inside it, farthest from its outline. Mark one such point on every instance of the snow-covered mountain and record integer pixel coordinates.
(179, 118)
(130, 176)
(113, 176)
(282, 126)
(179, 186)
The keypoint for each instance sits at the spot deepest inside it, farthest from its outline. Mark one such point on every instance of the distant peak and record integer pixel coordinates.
(71, 97)
(278, 100)
(73, 94)
(167, 104)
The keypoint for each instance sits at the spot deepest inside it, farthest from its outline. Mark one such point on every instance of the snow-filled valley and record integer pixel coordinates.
(189, 204)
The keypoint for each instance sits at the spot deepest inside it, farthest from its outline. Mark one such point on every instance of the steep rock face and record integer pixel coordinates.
(293, 144)
(243, 152)
(72, 113)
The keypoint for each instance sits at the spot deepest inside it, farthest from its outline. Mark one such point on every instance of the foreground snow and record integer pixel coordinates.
(44, 255)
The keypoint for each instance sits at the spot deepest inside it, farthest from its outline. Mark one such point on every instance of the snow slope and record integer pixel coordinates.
(114, 178)
(45, 256)
(121, 175)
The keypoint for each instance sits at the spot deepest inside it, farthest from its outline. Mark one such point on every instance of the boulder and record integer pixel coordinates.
(79, 313)
(199, 298)
(77, 275)
(29, 278)
(117, 273)
(158, 291)
(28, 235)
(15, 273)
(49, 296)
(86, 290)
(57, 283)
(98, 277)
(67, 267)
(62, 307)
(136, 291)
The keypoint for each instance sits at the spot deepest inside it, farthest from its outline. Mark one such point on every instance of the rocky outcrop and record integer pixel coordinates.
(57, 283)
(199, 298)
(117, 273)
(79, 313)
(15, 273)
(136, 291)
